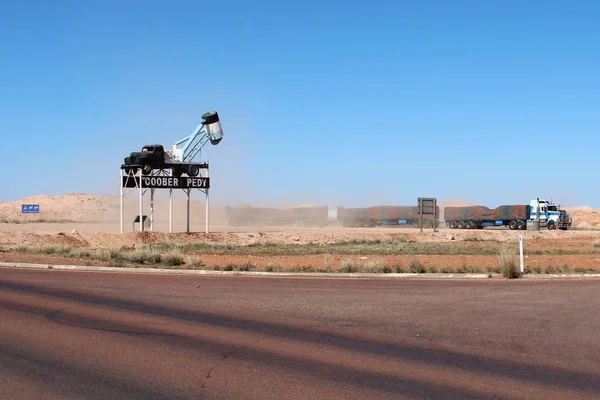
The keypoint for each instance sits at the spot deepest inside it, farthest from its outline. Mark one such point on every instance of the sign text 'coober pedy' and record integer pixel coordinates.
(167, 182)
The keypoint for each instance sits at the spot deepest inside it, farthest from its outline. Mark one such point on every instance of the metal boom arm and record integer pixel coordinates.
(194, 143)
(209, 130)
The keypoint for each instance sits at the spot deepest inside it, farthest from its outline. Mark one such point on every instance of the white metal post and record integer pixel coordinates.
(152, 210)
(206, 206)
(141, 202)
(521, 252)
(170, 210)
(121, 210)
(188, 210)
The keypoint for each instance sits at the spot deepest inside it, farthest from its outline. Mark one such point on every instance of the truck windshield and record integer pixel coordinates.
(552, 208)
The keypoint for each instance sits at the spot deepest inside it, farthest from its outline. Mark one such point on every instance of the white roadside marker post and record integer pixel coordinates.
(521, 252)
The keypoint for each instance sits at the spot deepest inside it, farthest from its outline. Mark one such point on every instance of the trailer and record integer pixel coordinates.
(385, 216)
(479, 217)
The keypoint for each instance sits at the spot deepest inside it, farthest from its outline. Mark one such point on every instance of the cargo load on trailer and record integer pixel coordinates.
(478, 217)
(385, 215)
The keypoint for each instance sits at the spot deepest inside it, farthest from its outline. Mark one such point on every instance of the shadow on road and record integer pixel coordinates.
(547, 376)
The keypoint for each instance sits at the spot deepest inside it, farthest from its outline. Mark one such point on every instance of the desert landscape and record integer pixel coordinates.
(84, 229)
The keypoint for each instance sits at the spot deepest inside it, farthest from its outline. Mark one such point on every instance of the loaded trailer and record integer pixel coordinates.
(479, 217)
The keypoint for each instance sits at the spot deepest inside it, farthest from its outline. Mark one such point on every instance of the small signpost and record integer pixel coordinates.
(137, 221)
(30, 208)
(428, 206)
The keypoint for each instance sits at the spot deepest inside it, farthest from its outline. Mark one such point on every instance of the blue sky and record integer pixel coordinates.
(353, 103)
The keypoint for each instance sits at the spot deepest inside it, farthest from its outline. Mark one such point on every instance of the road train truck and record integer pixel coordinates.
(514, 216)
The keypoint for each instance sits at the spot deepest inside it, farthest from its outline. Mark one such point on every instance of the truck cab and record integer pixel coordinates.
(152, 155)
(549, 214)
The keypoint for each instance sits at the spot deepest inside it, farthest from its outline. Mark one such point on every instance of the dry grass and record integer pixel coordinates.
(415, 266)
(173, 258)
(194, 262)
(371, 266)
(273, 266)
(508, 263)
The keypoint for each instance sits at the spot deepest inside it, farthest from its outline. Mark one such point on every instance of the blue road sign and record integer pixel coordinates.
(30, 208)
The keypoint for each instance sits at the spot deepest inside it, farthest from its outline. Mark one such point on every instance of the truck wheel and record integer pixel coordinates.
(193, 170)
(470, 225)
(461, 224)
(146, 169)
(521, 225)
(512, 225)
(453, 225)
(551, 225)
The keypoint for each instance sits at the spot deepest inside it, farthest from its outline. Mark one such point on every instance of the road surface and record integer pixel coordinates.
(82, 335)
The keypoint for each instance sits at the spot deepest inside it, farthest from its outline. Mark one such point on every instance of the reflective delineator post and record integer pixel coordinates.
(521, 252)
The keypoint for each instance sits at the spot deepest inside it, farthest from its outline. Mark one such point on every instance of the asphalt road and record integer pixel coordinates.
(82, 335)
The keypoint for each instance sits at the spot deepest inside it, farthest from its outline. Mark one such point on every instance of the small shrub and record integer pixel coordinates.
(302, 268)
(387, 269)
(145, 256)
(399, 269)
(415, 266)
(117, 264)
(81, 253)
(432, 270)
(580, 270)
(550, 269)
(109, 254)
(349, 265)
(273, 267)
(374, 266)
(216, 268)
(473, 239)
(195, 263)
(173, 259)
(56, 249)
(328, 263)
(537, 269)
(508, 263)
(596, 243)
(566, 269)
(22, 249)
(249, 266)
(229, 267)
(447, 270)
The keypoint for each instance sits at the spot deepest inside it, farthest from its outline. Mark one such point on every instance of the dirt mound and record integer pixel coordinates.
(584, 215)
(80, 207)
(76, 207)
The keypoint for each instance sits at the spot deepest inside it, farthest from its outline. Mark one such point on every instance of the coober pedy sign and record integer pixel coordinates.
(167, 182)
